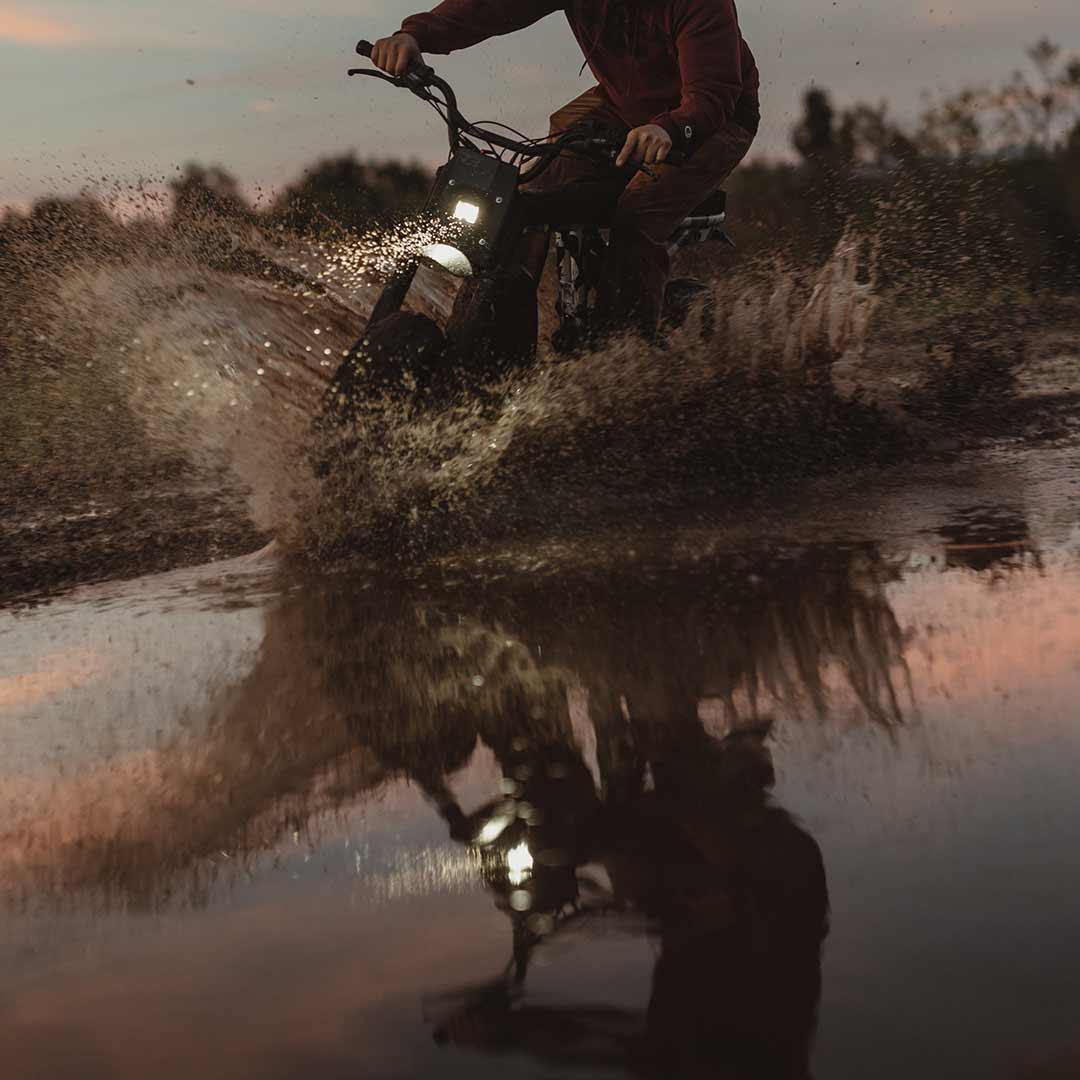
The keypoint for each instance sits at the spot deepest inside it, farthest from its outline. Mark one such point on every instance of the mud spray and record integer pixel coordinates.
(621, 431)
(160, 381)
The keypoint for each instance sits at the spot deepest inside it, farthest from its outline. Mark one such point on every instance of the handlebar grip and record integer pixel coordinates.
(418, 70)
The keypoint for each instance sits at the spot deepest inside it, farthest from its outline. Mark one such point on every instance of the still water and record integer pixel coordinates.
(795, 797)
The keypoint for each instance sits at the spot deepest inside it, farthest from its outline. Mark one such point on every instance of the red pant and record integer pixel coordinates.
(648, 210)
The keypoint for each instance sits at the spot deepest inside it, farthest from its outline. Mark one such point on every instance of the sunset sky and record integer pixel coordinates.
(129, 88)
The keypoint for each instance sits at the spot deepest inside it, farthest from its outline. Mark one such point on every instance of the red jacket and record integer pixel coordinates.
(681, 64)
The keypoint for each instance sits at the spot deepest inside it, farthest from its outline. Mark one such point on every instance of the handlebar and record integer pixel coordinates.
(420, 78)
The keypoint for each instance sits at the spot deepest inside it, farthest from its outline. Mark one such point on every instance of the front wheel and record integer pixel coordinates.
(396, 359)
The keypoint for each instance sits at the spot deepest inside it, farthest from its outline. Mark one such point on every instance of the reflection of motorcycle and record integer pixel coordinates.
(733, 890)
(533, 838)
(479, 209)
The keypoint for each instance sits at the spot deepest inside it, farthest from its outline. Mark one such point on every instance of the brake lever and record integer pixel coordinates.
(611, 152)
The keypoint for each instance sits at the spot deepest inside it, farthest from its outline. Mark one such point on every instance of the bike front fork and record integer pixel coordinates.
(579, 254)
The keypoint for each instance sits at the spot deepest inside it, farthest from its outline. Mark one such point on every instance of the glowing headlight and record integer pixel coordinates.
(449, 258)
(467, 211)
(519, 864)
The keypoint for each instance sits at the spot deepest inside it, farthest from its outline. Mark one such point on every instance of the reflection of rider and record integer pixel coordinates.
(738, 891)
(676, 73)
(733, 887)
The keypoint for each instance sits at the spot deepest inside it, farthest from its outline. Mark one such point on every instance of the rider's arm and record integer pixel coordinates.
(710, 62)
(457, 24)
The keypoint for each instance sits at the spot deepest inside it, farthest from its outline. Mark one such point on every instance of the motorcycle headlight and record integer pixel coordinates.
(467, 211)
(493, 829)
(476, 192)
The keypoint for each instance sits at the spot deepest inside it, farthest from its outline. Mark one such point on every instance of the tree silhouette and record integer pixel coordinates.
(814, 136)
(345, 192)
(206, 192)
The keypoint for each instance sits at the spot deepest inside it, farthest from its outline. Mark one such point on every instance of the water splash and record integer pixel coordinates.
(620, 429)
(212, 342)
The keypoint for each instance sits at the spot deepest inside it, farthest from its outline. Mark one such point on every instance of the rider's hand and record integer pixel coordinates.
(396, 54)
(645, 145)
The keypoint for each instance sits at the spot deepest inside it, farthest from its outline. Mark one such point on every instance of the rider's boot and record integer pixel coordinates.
(631, 292)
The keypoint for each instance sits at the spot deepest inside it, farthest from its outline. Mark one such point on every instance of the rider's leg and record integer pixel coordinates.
(516, 320)
(648, 212)
(591, 105)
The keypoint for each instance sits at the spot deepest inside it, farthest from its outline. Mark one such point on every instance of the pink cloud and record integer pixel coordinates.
(25, 29)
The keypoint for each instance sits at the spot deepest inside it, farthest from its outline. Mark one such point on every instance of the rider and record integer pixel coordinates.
(676, 73)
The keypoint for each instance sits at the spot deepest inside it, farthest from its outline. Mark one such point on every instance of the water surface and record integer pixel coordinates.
(706, 800)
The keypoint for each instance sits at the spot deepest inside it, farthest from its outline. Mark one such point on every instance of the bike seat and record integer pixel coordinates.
(703, 223)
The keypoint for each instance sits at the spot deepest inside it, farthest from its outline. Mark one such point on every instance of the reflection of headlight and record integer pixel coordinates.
(494, 828)
(519, 863)
(449, 258)
(467, 211)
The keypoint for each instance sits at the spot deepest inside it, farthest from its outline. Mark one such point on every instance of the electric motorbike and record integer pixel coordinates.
(478, 210)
